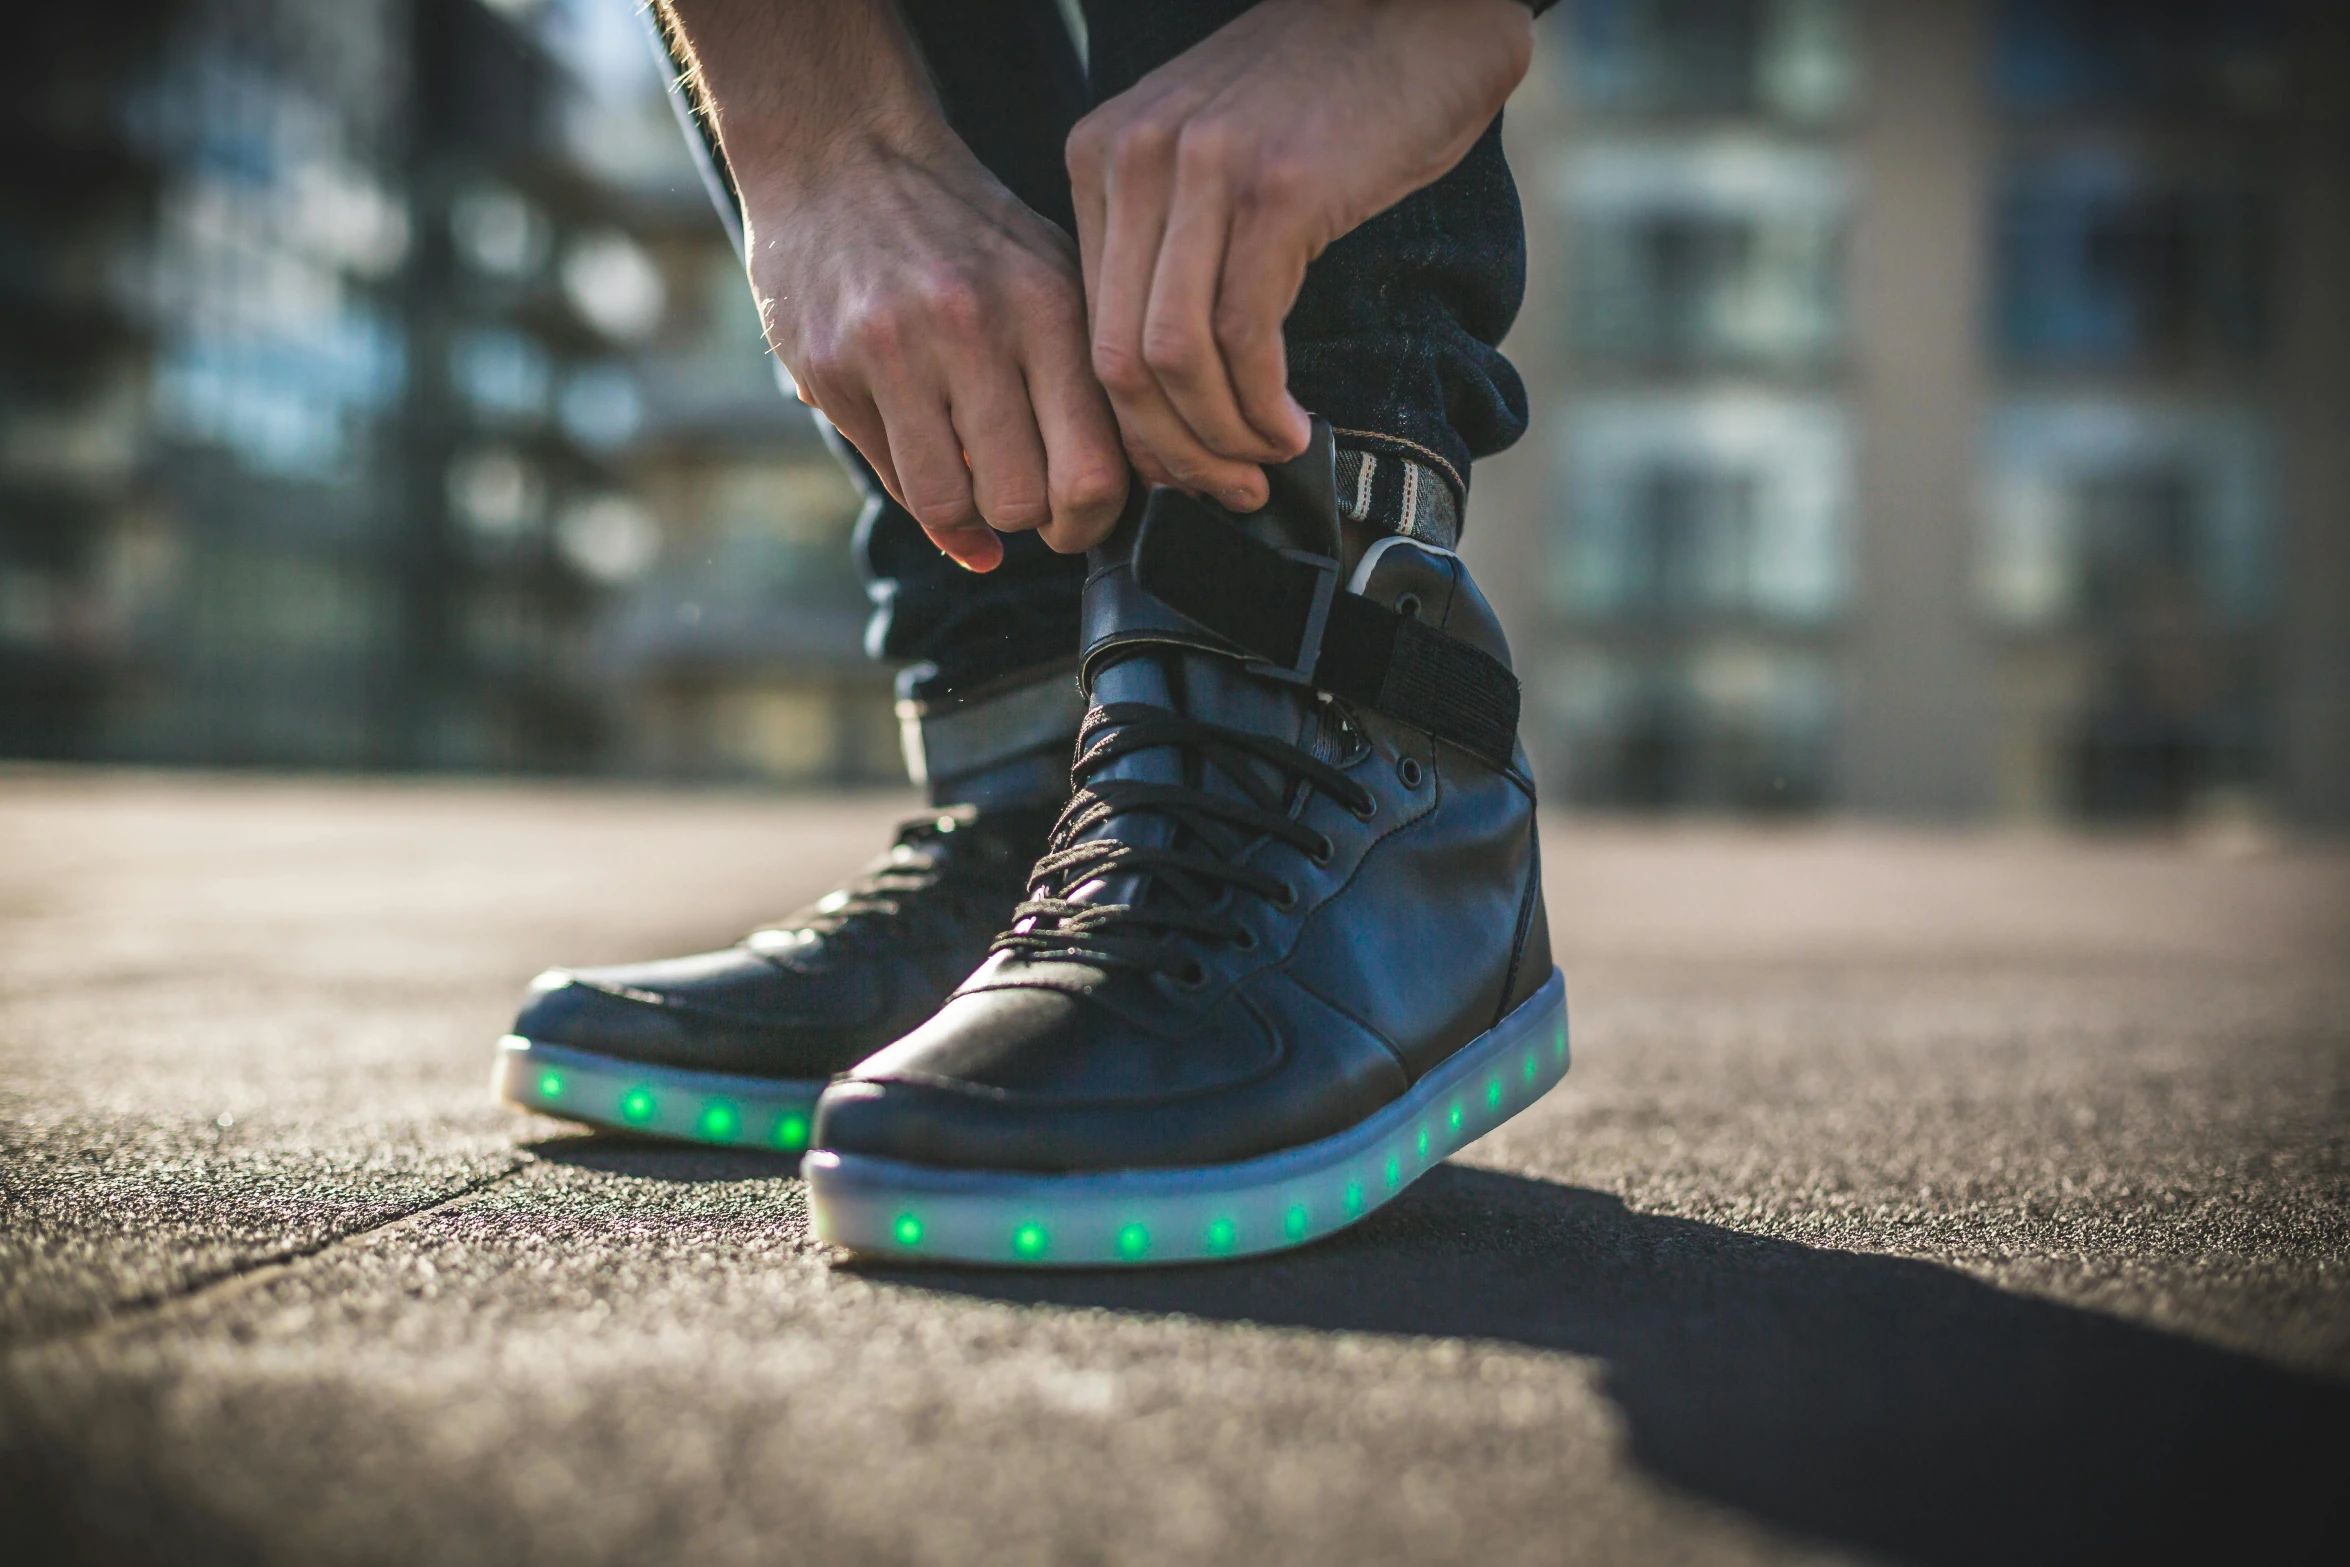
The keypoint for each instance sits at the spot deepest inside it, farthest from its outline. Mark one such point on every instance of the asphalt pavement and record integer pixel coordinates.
(1933, 1197)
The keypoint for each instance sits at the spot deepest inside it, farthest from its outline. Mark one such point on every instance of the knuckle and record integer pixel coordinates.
(1141, 146)
(1019, 512)
(876, 330)
(1043, 291)
(938, 509)
(953, 304)
(1120, 368)
(1236, 328)
(1088, 144)
(1275, 183)
(1172, 350)
(1204, 146)
(1096, 487)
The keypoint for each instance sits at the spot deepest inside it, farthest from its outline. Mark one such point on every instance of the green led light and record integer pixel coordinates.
(1395, 1171)
(908, 1230)
(792, 1133)
(1354, 1194)
(719, 1120)
(1493, 1093)
(1452, 1117)
(1133, 1241)
(637, 1105)
(1420, 1143)
(1029, 1240)
(1558, 1045)
(1293, 1223)
(1222, 1233)
(550, 1085)
(1533, 1067)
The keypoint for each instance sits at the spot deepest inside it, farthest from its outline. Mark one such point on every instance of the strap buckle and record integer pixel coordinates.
(1300, 670)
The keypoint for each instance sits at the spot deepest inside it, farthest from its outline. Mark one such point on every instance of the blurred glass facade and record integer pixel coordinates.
(2130, 511)
(1702, 557)
(1723, 439)
(1936, 407)
(419, 416)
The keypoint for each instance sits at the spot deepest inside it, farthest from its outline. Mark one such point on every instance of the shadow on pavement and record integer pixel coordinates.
(1889, 1405)
(655, 1159)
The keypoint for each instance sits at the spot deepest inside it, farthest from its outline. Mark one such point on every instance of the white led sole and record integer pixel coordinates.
(1118, 1218)
(659, 1101)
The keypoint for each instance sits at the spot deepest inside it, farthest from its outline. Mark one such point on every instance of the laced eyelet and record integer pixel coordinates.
(1368, 809)
(1409, 770)
(1408, 605)
(1193, 977)
(1323, 852)
(1287, 899)
(1246, 941)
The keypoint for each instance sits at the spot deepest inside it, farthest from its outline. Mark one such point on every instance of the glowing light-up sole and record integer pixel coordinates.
(1139, 1217)
(695, 1107)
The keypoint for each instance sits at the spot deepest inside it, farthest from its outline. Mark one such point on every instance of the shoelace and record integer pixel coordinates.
(1186, 885)
(886, 900)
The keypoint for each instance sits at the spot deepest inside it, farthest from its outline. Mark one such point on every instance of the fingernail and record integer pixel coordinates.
(983, 558)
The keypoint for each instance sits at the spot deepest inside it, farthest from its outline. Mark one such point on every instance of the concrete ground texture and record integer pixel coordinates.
(1915, 1197)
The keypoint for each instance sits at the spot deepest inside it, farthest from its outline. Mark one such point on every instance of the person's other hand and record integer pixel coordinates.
(940, 325)
(1203, 192)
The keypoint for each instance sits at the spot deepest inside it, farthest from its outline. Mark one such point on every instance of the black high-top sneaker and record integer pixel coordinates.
(733, 1047)
(1287, 950)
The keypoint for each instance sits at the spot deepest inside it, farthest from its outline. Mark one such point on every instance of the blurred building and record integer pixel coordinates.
(377, 390)
(1939, 407)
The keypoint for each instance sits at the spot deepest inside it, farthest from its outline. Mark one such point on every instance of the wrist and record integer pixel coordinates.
(792, 163)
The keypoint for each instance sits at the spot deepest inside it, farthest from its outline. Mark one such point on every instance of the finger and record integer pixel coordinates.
(1137, 187)
(1087, 159)
(1264, 267)
(1178, 333)
(1086, 468)
(989, 408)
(859, 423)
(933, 482)
(1147, 464)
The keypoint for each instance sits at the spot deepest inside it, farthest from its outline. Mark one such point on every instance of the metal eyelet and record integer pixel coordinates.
(1323, 852)
(1368, 809)
(1287, 899)
(1410, 771)
(1194, 977)
(1408, 605)
(1246, 941)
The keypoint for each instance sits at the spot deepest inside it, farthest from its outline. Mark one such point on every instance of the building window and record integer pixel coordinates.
(2126, 554)
(1722, 254)
(2075, 56)
(2108, 261)
(1716, 508)
(1790, 59)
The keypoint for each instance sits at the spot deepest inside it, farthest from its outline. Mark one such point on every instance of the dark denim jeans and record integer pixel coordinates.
(1393, 338)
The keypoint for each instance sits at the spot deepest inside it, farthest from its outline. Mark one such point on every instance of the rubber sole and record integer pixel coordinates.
(1127, 1218)
(658, 1101)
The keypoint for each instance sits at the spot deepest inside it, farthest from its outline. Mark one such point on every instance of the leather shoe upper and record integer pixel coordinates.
(811, 994)
(1263, 915)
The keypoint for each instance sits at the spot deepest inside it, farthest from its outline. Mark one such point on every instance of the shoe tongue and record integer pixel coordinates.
(1140, 651)
(1214, 689)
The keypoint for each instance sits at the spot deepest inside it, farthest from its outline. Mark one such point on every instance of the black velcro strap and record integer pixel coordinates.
(1285, 607)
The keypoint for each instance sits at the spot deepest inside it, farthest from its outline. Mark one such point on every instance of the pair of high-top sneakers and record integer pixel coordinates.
(1282, 951)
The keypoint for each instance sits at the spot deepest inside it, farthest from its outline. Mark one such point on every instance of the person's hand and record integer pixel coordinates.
(940, 325)
(1203, 192)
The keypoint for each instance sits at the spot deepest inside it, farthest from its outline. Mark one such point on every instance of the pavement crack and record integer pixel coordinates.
(254, 1273)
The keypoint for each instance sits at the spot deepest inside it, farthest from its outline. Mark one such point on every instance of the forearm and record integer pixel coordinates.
(797, 89)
